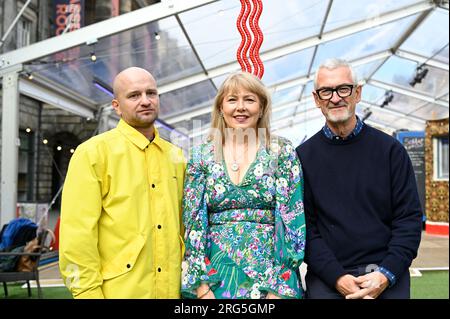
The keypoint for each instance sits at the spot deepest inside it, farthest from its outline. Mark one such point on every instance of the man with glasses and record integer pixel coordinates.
(363, 214)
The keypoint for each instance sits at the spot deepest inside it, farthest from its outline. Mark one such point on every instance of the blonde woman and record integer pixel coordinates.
(243, 203)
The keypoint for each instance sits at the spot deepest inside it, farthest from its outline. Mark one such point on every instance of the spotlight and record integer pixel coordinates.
(367, 114)
(28, 130)
(388, 97)
(421, 73)
(93, 57)
(157, 36)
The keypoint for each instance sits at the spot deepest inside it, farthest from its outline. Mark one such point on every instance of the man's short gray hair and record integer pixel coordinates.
(335, 63)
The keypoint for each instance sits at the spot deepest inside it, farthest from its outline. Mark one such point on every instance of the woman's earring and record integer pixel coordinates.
(221, 114)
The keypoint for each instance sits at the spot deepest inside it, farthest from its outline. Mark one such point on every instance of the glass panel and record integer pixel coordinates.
(286, 95)
(430, 37)
(372, 94)
(287, 67)
(403, 103)
(213, 31)
(186, 98)
(364, 71)
(364, 43)
(307, 92)
(137, 47)
(402, 71)
(197, 123)
(345, 12)
(219, 80)
(383, 117)
(283, 114)
(307, 124)
(431, 111)
(405, 123)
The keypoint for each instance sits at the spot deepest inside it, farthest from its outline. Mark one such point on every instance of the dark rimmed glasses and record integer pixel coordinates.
(343, 90)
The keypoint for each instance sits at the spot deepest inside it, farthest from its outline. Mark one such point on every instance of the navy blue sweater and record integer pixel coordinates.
(361, 204)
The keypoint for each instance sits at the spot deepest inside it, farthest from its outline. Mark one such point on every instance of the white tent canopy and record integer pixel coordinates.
(387, 41)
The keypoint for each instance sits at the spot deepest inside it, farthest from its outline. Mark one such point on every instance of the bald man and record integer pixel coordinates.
(120, 232)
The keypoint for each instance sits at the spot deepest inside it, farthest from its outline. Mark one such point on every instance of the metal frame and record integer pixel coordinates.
(303, 44)
(421, 59)
(38, 92)
(10, 146)
(393, 112)
(302, 80)
(408, 92)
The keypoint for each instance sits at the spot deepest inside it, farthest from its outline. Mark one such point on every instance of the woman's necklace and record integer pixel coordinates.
(235, 164)
(237, 160)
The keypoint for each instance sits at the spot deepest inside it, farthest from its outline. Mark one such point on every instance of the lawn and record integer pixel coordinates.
(16, 292)
(431, 285)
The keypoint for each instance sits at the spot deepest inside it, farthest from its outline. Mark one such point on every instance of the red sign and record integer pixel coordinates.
(69, 15)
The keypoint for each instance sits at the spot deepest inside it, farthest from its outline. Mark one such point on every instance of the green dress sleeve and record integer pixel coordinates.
(289, 235)
(196, 267)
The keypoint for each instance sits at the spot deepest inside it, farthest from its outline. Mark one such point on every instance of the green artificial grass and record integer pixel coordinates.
(431, 285)
(16, 292)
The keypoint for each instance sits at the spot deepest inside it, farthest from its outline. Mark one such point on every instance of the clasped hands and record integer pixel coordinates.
(368, 286)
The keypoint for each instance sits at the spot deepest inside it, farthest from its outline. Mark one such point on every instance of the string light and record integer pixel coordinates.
(157, 36)
(72, 150)
(59, 147)
(93, 57)
(29, 76)
(28, 130)
(45, 141)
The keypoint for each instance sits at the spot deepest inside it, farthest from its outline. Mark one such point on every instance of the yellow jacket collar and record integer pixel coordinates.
(136, 137)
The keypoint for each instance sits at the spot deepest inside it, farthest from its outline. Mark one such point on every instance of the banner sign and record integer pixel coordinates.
(414, 142)
(68, 15)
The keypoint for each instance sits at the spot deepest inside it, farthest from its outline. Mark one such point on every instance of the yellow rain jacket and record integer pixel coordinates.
(121, 217)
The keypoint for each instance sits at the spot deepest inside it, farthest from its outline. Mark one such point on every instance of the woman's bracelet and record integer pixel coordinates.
(205, 293)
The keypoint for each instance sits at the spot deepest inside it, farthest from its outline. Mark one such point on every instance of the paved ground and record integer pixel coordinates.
(433, 253)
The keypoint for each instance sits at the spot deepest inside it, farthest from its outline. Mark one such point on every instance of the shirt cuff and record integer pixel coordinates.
(390, 276)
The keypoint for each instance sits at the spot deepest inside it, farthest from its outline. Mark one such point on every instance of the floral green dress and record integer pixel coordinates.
(248, 239)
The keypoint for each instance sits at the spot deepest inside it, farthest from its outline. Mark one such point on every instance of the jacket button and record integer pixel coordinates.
(128, 265)
(153, 185)
(159, 226)
(159, 269)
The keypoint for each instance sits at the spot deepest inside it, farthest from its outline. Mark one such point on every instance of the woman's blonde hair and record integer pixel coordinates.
(232, 84)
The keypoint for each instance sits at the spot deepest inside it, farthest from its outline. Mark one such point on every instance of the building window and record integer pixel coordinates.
(25, 178)
(23, 33)
(440, 151)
